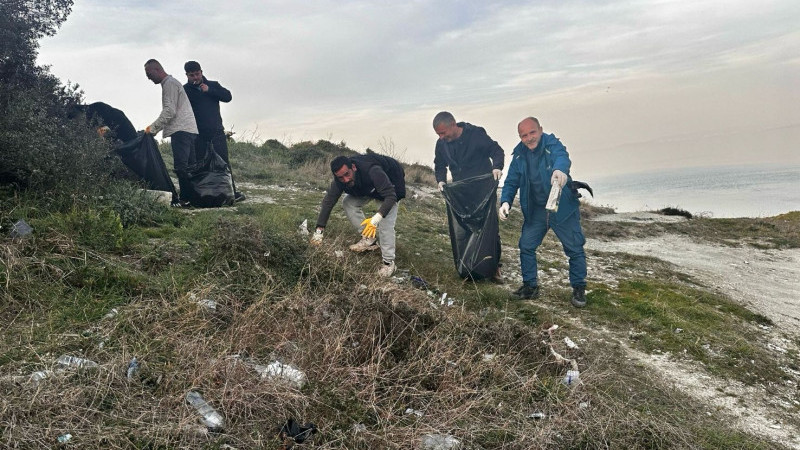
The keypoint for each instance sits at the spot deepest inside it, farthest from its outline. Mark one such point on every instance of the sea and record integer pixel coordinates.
(720, 191)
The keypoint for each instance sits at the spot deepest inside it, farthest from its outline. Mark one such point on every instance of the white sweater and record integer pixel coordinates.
(176, 111)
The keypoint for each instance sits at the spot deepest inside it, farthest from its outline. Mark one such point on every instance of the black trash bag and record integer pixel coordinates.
(141, 156)
(292, 432)
(474, 231)
(208, 182)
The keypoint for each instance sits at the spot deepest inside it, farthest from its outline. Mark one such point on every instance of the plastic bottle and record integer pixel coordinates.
(74, 361)
(211, 418)
(572, 377)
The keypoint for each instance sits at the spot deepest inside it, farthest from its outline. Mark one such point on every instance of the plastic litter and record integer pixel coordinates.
(283, 372)
(211, 418)
(572, 377)
(133, 367)
(36, 377)
(292, 432)
(208, 304)
(538, 415)
(440, 442)
(64, 438)
(410, 411)
(555, 197)
(111, 314)
(20, 229)
(570, 344)
(303, 228)
(74, 361)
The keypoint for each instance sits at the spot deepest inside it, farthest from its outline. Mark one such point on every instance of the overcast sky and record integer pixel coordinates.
(627, 85)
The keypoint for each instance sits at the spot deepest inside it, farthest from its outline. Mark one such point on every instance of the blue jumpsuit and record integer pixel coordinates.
(529, 173)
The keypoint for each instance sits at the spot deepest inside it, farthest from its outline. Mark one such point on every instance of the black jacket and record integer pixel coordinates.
(472, 154)
(206, 105)
(370, 180)
(100, 113)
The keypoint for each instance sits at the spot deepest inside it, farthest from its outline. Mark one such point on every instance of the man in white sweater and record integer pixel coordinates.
(177, 122)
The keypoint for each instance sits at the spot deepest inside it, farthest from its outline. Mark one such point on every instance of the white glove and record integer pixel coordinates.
(504, 209)
(497, 173)
(316, 238)
(558, 177)
(376, 219)
(441, 186)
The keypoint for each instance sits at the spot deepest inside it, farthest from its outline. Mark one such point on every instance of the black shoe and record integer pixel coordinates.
(238, 196)
(180, 204)
(526, 292)
(578, 296)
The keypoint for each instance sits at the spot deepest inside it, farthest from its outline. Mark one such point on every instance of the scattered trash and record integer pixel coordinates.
(276, 370)
(552, 328)
(583, 405)
(359, 428)
(410, 411)
(208, 304)
(36, 377)
(572, 377)
(211, 418)
(303, 228)
(440, 442)
(292, 432)
(570, 344)
(339, 253)
(538, 415)
(64, 438)
(74, 361)
(419, 283)
(20, 229)
(133, 367)
(488, 357)
(444, 301)
(678, 330)
(111, 314)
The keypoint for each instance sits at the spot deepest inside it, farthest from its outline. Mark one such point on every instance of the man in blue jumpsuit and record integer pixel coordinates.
(538, 162)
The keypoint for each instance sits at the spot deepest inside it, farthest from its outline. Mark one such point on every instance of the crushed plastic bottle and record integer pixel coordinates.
(111, 314)
(73, 361)
(133, 367)
(20, 229)
(440, 442)
(36, 377)
(64, 438)
(278, 371)
(211, 418)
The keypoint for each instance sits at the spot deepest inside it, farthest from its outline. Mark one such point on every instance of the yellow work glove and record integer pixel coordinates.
(371, 226)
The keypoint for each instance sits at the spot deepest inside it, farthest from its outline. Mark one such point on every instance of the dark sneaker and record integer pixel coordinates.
(180, 204)
(578, 296)
(237, 197)
(526, 292)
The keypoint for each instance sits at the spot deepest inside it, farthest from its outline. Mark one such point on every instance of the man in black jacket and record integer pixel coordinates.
(467, 151)
(205, 95)
(365, 178)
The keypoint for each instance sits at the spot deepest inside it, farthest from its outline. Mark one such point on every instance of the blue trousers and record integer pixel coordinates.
(570, 234)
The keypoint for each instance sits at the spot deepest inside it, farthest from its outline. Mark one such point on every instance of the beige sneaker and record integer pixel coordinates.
(386, 269)
(364, 245)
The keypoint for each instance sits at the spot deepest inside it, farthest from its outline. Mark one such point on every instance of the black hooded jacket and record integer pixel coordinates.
(473, 153)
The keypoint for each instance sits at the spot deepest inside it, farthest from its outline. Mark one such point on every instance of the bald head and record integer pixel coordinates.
(154, 71)
(530, 132)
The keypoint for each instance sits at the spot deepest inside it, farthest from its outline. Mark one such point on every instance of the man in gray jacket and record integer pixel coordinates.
(177, 122)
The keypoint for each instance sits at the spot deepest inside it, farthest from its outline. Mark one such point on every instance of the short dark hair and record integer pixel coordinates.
(338, 162)
(191, 66)
(443, 118)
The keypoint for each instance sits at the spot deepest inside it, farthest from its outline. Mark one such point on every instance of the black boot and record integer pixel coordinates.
(526, 292)
(578, 296)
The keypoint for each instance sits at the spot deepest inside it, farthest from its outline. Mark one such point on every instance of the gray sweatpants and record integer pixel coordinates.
(352, 209)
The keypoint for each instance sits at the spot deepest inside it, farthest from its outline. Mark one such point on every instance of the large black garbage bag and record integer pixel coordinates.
(472, 219)
(208, 182)
(141, 156)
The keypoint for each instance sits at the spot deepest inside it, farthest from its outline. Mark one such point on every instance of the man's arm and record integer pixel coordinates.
(558, 153)
(169, 106)
(512, 183)
(330, 199)
(385, 188)
(218, 92)
(440, 163)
